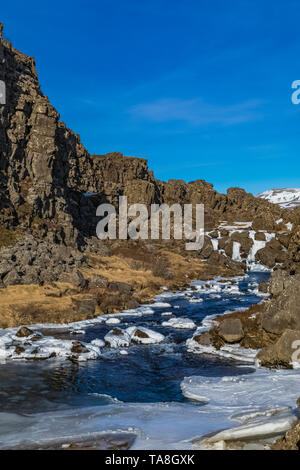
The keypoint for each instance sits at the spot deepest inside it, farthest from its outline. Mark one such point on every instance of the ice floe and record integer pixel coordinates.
(249, 406)
(117, 338)
(37, 346)
(228, 351)
(112, 321)
(262, 402)
(180, 323)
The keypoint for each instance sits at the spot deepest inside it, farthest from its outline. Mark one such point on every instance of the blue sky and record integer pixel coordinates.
(200, 88)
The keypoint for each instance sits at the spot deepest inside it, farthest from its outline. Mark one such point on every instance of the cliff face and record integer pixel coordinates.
(38, 153)
(45, 169)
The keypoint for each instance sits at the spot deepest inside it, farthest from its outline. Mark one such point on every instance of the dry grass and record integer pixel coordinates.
(25, 305)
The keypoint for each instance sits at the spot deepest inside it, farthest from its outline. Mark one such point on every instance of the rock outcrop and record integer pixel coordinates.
(50, 187)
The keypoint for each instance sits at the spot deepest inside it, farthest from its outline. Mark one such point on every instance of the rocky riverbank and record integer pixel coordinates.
(272, 328)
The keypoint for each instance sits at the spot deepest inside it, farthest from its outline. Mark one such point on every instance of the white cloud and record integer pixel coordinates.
(196, 111)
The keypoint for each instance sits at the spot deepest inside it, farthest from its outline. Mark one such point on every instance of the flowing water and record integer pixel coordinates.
(139, 389)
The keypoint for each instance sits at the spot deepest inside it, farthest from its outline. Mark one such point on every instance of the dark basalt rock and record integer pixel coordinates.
(140, 334)
(266, 256)
(280, 353)
(121, 287)
(207, 249)
(117, 332)
(204, 339)
(78, 348)
(24, 332)
(260, 236)
(282, 311)
(19, 350)
(97, 282)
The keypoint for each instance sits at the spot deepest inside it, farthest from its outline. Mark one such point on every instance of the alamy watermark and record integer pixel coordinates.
(296, 93)
(2, 92)
(137, 222)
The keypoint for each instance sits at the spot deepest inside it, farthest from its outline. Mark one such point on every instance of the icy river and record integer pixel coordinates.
(167, 395)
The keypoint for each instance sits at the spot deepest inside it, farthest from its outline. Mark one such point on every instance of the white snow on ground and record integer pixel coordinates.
(228, 351)
(286, 198)
(180, 323)
(123, 338)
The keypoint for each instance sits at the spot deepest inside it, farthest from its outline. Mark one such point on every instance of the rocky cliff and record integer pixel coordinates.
(50, 185)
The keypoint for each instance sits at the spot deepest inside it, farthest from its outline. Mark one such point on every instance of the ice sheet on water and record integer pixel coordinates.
(262, 401)
(160, 305)
(253, 400)
(261, 389)
(228, 351)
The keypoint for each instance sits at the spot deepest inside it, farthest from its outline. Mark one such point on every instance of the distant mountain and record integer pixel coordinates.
(287, 198)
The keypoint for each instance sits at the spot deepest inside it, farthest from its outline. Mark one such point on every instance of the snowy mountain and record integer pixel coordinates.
(287, 198)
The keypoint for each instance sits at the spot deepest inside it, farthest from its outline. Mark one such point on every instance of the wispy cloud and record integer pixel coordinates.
(196, 111)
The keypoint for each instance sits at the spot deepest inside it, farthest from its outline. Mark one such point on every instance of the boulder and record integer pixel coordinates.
(207, 249)
(24, 332)
(204, 339)
(86, 306)
(266, 256)
(78, 348)
(12, 278)
(139, 334)
(260, 236)
(283, 311)
(284, 239)
(75, 278)
(121, 287)
(265, 221)
(231, 330)
(274, 244)
(282, 353)
(97, 282)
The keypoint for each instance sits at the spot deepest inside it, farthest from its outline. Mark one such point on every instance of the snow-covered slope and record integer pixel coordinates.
(286, 198)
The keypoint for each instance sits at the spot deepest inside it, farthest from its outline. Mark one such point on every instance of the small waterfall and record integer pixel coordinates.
(215, 243)
(236, 256)
(257, 245)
